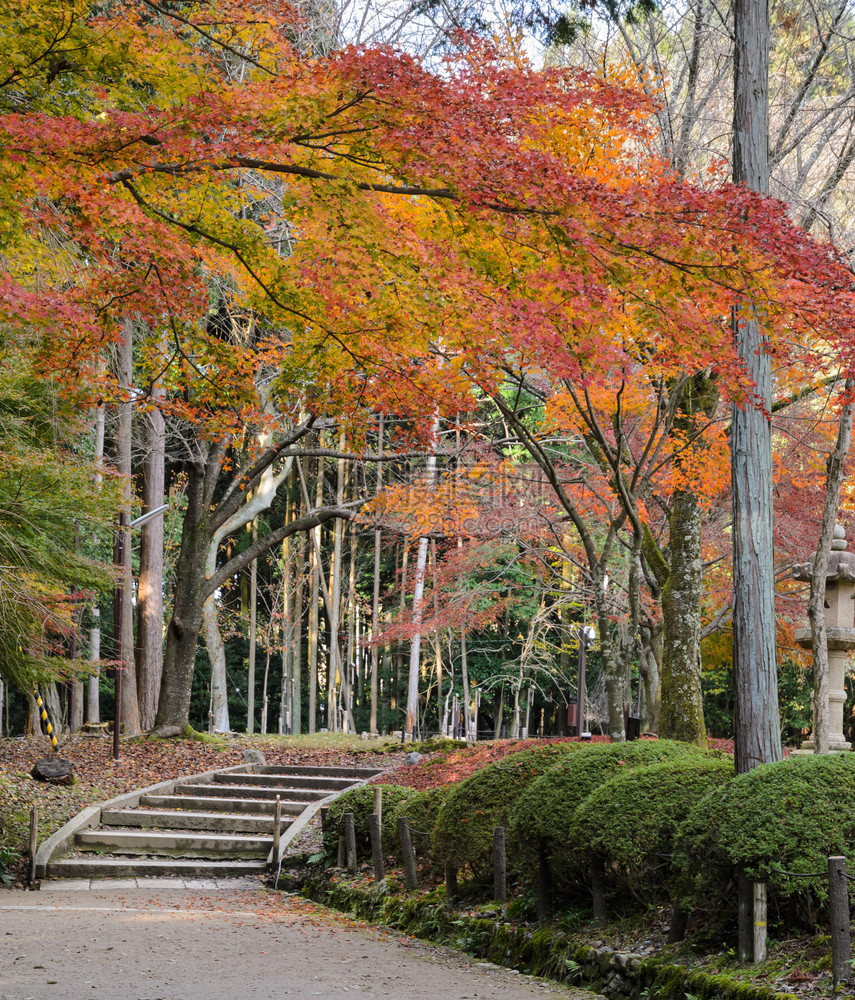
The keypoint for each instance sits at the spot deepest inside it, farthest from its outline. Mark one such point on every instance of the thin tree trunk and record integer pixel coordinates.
(464, 675)
(149, 648)
(253, 610)
(130, 712)
(418, 592)
(682, 708)
(336, 679)
(314, 597)
(816, 602)
(219, 721)
(375, 601)
(757, 734)
(297, 638)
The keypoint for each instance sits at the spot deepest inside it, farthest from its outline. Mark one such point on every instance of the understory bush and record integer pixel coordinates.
(360, 802)
(631, 820)
(463, 833)
(788, 816)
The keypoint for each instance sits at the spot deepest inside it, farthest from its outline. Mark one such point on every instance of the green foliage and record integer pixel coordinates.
(422, 810)
(788, 816)
(463, 834)
(50, 510)
(632, 819)
(360, 801)
(544, 811)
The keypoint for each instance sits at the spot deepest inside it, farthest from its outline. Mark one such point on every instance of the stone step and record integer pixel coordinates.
(221, 804)
(354, 773)
(172, 842)
(173, 819)
(327, 784)
(252, 792)
(106, 867)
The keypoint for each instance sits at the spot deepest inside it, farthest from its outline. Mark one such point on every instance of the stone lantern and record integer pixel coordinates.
(840, 629)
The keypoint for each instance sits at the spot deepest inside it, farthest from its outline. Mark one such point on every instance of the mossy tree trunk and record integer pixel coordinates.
(682, 709)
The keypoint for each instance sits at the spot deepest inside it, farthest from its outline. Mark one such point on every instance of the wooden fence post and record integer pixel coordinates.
(34, 839)
(838, 904)
(409, 855)
(759, 922)
(376, 833)
(500, 883)
(378, 802)
(350, 842)
(745, 902)
(277, 821)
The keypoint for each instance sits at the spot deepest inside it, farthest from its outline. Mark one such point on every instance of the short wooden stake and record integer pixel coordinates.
(350, 842)
(407, 852)
(745, 908)
(339, 863)
(378, 802)
(450, 884)
(34, 839)
(500, 883)
(838, 904)
(277, 820)
(759, 922)
(376, 833)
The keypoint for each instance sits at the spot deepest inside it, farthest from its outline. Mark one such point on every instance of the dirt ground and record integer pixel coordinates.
(239, 943)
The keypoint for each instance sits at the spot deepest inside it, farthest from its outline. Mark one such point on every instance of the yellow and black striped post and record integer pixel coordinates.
(45, 719)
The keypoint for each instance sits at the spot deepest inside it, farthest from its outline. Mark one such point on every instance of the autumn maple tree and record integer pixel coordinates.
(391, 237)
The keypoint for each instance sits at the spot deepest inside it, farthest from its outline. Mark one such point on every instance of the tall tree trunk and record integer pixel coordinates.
(93, 693)
(182, 633)
(253, 609)
(336, 680)
(219, 721)
(149, 648)
(757, 734)
(297, 637)
(314, 599)
(682, 708)
(124, 426)
(418, 592)
(375, 600)
(816, 602)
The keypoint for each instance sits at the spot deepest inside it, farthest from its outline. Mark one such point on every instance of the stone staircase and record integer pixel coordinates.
(214, 825)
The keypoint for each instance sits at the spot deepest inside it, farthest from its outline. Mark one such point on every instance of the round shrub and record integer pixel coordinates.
(463, 834)
(787, 816)
(544, 810)
(631, 821)
(360, 801)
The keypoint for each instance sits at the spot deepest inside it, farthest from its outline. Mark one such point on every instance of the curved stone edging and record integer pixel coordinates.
(541, 951)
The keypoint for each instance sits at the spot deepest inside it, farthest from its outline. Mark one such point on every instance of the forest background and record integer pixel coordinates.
(418, 322)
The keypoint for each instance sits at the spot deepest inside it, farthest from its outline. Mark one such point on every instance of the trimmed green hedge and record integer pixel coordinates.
(463, 834)
(631, 820)
(544, 810)
(360, 801)
(788, 816)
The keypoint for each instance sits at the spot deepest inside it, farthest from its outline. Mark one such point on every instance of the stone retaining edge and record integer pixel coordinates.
(542, 951)
(58, 843)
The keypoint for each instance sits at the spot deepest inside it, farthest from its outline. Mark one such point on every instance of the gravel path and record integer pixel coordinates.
(199, 941)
